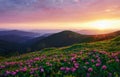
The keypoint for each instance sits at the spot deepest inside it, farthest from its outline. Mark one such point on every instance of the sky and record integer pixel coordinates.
(60, 14)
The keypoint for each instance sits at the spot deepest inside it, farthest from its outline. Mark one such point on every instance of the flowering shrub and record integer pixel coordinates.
(67, 64)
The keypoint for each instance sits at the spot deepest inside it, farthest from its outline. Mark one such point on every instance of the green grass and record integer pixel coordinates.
(56, 57)
(112, 45)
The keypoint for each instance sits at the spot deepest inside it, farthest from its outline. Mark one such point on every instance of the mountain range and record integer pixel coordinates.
(23, 42)
(17, 36)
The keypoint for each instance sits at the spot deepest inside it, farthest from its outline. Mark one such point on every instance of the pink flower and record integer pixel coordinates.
(13, 73)
(29, 65)
(65, 60)
(73, 69)
(87, 63)
(73, 59)
(76, 65)
(62, 68)
(97, 56)
(117, 60)
(67, 69)
(21, 63)
(81, 53)
(48, 63)
(2, 66)
(42, 70)
(98, 64)
(94, 50)
(98, 60)
(17, 70)
(92, 60)
(31, 72)
(90, 69)
(104, 67)
(37, 59)
(73, 55)
(23, 69)
(7, 72)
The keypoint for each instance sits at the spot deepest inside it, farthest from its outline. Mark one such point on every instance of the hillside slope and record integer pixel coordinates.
(61, 39)
(7, 47)
(66, 38)
(79, 60)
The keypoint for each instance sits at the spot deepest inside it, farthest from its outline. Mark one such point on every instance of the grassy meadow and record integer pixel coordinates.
(101, 59)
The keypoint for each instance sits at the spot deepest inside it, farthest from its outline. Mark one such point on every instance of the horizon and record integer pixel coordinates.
(52, 31)
(60, 14)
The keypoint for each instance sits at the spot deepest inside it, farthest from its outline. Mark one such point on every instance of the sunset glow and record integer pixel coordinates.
(98, 25)
(105, 24)
(60, 14)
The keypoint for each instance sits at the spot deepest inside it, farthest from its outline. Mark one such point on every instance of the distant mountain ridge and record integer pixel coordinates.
(12, 41)
(17, 36)
(94, 32)
(17, 32)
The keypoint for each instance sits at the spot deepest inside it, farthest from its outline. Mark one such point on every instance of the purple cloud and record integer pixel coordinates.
(47, 10)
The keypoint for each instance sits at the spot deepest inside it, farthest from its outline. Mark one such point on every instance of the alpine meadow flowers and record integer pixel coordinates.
(75, 64)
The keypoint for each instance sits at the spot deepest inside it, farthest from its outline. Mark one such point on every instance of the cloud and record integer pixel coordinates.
(53, 10)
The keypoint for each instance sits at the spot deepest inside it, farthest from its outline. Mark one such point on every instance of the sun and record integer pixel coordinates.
(101, 24)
